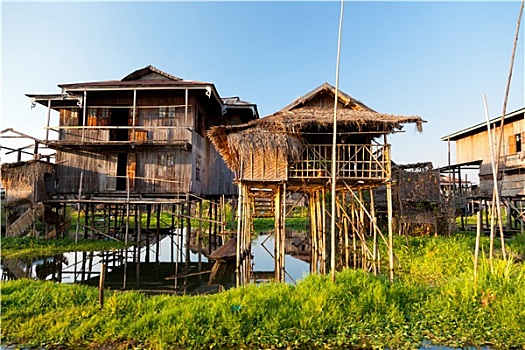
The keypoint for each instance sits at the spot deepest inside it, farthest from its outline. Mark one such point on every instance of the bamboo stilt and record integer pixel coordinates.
(476, 250)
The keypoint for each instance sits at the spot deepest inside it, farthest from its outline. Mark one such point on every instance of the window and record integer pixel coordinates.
(166, 159)
(73, 117)
(170, 160)
(92, 117)
(515, 144)
(161, 159)
(171, 112)
(162, 112)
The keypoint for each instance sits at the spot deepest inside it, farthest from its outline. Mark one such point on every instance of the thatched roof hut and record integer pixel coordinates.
(308, 119)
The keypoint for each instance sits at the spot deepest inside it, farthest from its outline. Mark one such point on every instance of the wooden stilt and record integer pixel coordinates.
(188, 231)
(345, 227)
(157, 235)
(389, 211)
(199, 239)
(476, 250)
(239, 234)
(323, 232)
(148, 222)
(374, 233)
(173, 234)
(139, 240)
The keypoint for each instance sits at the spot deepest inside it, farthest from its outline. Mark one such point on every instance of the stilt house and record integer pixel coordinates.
(144, 134)
(291, 151)
(128, 147)
(473, 151)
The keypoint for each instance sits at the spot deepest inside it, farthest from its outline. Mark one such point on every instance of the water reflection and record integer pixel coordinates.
(161, 267)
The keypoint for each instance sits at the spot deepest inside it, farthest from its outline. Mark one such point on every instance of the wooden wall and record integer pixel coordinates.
(476, 147)
(512, 161)
(186, 160)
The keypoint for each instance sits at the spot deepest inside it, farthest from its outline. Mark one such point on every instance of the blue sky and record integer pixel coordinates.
(432, 59)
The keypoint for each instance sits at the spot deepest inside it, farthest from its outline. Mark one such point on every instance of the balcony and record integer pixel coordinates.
(121, 135)
(366, 162)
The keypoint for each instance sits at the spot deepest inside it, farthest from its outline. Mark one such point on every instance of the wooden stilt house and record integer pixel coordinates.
(144, 133)
(137, 146)
(291, 151)
(474, 151)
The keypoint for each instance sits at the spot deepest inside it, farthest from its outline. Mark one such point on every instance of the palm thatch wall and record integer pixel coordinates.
(25, 181)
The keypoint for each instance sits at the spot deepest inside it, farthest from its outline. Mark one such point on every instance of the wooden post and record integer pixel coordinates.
(373, 223)
(362, 230)
(313, 234)
(389, 211)
(148, 221)
(239, 234)
(323, 232)
(84, 110)
(139, 241)
(345, 228)
(354, 232)
(476, 250)
(101, 283)
(199, 239)
(48, 118)
(188, 230)
(210, 227)
(157, 234)
(78, 205)
(172, 234)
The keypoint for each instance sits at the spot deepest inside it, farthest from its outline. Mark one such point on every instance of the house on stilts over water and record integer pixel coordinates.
(137, 146)
(474, 152)
(290, 152)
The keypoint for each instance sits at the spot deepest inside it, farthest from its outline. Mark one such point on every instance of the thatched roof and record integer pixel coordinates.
(283, 129)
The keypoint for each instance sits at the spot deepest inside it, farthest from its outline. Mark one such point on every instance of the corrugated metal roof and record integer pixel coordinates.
(481, 127)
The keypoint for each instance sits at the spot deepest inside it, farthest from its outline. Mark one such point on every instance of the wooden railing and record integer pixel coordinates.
(112, 134)
(354, 161)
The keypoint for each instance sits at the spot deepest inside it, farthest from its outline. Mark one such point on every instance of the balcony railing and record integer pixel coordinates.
(354, 161)
(122, 134)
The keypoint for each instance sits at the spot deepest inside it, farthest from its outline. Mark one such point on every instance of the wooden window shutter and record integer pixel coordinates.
(512, 144)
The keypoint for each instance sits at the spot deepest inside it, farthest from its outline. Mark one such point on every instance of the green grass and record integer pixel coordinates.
(433, 298)
(25, 248)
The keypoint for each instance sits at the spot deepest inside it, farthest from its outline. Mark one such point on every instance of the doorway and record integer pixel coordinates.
(119, 117)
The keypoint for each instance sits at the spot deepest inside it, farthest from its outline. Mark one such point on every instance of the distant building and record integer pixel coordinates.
(473, 148)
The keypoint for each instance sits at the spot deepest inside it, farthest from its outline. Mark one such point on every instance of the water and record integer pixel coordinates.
(123, 271)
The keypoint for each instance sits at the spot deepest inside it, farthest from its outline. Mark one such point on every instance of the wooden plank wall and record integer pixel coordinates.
(476, 146)
(97, 170)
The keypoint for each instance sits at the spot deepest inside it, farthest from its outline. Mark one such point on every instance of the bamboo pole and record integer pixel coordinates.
(313, 233)
(199, 239)
(354, 232)
(362, 229)
(476, 250)
(139, 240)
(238, 245)
(277, 234)
(345, 225)
(323, 232)
(78, 205)
(334, 147)
(389, 210)
(495, 191)
(101, 283)
(374, 233)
